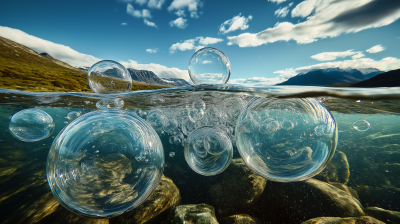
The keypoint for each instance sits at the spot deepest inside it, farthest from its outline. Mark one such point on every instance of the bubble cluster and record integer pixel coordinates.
(208, 151)
(361, 125)
(295, 138)
(31, 125)
(109, 77)
(104, 163)
(209, 66)
(115, 103)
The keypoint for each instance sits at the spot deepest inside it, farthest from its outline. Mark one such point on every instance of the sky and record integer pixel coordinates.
(266, 41)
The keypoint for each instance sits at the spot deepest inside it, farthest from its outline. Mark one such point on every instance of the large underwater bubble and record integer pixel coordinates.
(286, 139)
(31, 125)
(104, 163)
(208, 151)
(209, 66)
(109, 77)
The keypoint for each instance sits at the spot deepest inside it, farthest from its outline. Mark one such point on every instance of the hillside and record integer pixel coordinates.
(24, 69)
(149, 77)
(328, 77)
(387, 79)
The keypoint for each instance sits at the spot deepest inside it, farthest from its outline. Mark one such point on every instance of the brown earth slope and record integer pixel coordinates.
(24, 69)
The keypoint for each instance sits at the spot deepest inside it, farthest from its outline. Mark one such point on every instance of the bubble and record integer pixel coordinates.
(109, 77)
(284, 155)
(31, 125)
(361, 125)
(99, 182)
(195, 114)
(269, 126)
(199, 104)
(287, 125)
(172, 154)
(156, 119)
(73, 115)
(104, 104)
(209, 66)
(200, 159)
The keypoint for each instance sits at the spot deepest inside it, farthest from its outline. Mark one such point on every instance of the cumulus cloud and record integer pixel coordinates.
(179, 22)
(137, 13)
(191, 5)
(236, 23)
(330, 56)
(160, 70)
(375, 49)
(358, 55)
(155, 4)
(180, 13)
(148, 23)
(277, 1)
(57, 51)
(152, 51)
(194, 44)
(325, 18)
(282, 12)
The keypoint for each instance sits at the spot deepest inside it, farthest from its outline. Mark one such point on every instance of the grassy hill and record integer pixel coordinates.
(24, 69)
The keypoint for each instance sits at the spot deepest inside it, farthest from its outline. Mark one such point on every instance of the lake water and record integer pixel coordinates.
(362, 179)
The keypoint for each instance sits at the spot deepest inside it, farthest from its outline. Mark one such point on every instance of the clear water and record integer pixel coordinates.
(369, 178)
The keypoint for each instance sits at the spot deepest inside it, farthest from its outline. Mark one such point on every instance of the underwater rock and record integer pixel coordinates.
(238, 189)
(386, 197)
(337, 170)
(156, 208)
(346, 188)
(193, 214)
(383, 215)
(339, 220)
(63, 216)
(240, 219)
(299, 201)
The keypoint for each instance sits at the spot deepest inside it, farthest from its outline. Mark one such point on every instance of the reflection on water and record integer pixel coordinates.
(361, 182)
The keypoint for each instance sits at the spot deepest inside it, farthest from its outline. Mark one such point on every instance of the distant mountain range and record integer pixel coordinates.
(386, 79)
(148, 77)
(330, 76)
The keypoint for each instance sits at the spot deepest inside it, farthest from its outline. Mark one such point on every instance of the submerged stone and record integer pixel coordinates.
(240, 219)
(337, 170)
(339, 220)
(383, 215)
(193, 214)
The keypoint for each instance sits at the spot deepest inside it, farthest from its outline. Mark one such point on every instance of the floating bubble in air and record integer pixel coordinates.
(104, 104)
(104, 163)
(109, 77)
(283, 151)
(208, 151)
(172, 154)
(361, 125)
(72, 115)
(209, 66)
(31, 125)
(156, 119)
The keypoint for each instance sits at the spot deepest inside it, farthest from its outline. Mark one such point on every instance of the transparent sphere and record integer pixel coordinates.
(73, 115)
(116, 103)
(172, 154)
(295, 138)
(156, 119)
(109, 77)
(31, 125)
(361, 125)
(209, 66)
(104, 163)
(208, 151)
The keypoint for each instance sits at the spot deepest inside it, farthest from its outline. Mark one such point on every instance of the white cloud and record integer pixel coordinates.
(180, 13)
(160, 70)
(194, 44)
(330, 56)
(207, 62)
(148, 23)
(179, 22)
(236, 23)
(140, 2)
(151, 51)
(326, 18)
(375, 49)
(358, 55)
(146, 13)
(155, 4)
(137, 13)
(278, 1)
(191, 5)
(282, 12)
(57, 51)
(124, 24)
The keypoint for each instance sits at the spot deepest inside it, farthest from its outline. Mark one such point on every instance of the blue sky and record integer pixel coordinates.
(266, 41)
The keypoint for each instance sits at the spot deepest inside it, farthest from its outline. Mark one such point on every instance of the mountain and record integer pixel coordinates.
(331, 76)
(149, 77)
(386, 79)
(24, 69)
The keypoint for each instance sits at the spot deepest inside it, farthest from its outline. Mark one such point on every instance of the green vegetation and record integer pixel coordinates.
(23, 69)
